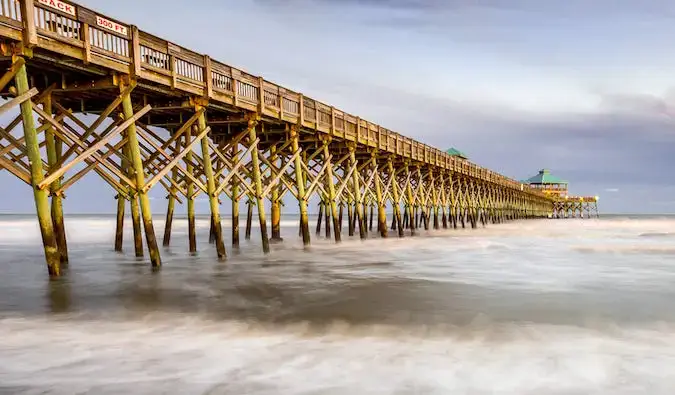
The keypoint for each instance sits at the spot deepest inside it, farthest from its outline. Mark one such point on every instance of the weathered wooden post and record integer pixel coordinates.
(276, 202)
(396, 222)
(249, 218)
(410, 216)
(340, 210)
(119, 225)
(434, 196)
(257, 179)
(319, 218)
(300, 185)
(54, 155)
(350, 218)
(137, 163)
(331, 198)
(381, 214)
(211, 186)
(235, 201)
(170, 205)
(359, 214)
(326, 213)
(192, 231)
(41, 197)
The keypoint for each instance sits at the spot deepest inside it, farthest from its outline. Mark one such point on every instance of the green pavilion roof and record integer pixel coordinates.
(544, 177)
(456, 152)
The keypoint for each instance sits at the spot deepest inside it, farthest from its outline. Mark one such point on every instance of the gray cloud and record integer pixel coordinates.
(627, 145)
(582, 6)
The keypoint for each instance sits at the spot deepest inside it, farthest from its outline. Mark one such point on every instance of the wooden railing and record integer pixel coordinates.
(107, 42)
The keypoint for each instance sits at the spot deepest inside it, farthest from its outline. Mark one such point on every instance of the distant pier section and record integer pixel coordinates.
(564, 206)
(159, 115)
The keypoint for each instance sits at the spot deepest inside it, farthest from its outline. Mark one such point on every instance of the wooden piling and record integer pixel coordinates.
(276, 204)
(235, 201)
(435, 200)
(405, 217)
(350, 218)
(340, 212)
(410, 202)
(136, 223)
(257, 179)
(211, 187)
(119, 228)
(331, 198)
(381, 214)
(41, 197)
(396, 199)
(359, 213)
(300, 186)
(54, 155)
(133, 200)
(319, 218)
(212, 233)
(326, 213)
(166, 241)
(137, 163)
(192, 226)
(249, 218)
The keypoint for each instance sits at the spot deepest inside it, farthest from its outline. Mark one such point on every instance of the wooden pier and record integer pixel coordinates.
(564, 205)
(163, 116)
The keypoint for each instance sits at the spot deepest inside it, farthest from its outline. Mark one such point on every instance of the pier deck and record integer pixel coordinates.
(161, 115)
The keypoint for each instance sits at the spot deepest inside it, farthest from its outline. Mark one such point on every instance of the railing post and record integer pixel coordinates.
(135, 69)
(87, 44)
(29, 30)
(302, 109)
(332, 120)
(208, 81)
(358, 130)
(261, 95)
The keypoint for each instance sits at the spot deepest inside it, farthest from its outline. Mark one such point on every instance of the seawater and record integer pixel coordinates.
(527, 307)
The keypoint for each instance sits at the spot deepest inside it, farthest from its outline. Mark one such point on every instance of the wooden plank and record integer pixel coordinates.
(21, 174)
(18, 100)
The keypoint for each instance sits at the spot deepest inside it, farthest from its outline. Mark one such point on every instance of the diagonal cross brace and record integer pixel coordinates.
(91, 151)
(149, 184)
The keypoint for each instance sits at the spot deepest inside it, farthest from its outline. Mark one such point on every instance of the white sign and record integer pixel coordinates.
(59, 5)
(110, 25)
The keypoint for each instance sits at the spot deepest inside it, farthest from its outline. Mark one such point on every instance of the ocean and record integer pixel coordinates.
(527, 307)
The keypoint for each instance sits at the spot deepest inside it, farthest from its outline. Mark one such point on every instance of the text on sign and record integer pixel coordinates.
(110, 25)
(59, 5)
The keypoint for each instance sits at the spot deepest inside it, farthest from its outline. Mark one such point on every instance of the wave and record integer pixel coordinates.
(627, 249)
(187, 355)
(657, 234)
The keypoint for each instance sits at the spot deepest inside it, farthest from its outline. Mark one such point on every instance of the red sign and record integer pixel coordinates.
(59, 5)
(110, 25)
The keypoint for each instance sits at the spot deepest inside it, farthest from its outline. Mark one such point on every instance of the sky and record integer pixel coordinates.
(585, 89)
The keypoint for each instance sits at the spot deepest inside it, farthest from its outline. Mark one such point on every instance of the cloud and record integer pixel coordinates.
(611, 189)
(574, 86)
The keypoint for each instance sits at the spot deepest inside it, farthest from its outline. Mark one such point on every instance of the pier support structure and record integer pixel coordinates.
(142, 113)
